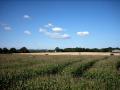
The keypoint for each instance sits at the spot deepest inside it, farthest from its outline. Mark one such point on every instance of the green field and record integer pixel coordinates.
(44, 72)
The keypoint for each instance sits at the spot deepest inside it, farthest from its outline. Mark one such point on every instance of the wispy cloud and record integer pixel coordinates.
(84, 33)
(57, 29)
(27, 32)
(54, 35)
(65, 36)
(54, 32)
(3, 24)
(6, 27)
(26, 16)
(49, 25)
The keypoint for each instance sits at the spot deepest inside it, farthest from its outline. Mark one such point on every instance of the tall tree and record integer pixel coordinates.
(1, 51)
(5, 50)
(57, 49)
(24, 50)
(13, 50)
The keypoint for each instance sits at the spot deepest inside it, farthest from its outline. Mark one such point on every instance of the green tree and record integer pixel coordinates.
(24, 50)
(57, 49)
(13, 50)
(5, 50)
(1, 51)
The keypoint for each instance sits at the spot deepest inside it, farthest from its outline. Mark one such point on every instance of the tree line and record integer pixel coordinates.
(57, 49)
(77, 49)
(13, 50)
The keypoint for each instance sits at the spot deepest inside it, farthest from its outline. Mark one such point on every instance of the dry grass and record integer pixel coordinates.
(72, 53)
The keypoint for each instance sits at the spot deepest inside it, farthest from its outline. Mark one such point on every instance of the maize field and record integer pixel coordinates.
(59, 72)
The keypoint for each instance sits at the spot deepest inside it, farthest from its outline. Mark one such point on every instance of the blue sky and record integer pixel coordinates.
(45, 24)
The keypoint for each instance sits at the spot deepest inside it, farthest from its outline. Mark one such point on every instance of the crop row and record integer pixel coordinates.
(9, 79)
(104, 75)
(61, 73)
(60, 81)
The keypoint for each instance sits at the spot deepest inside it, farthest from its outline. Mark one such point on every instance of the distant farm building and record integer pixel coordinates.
(116, 51)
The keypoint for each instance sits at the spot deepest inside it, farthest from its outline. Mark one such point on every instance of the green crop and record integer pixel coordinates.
(29, 72)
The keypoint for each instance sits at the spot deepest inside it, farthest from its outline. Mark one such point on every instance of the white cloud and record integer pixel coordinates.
(49, 25)
(26, 16)
(54, 35)
(65, 36)
(3, 24)
(6, 27)
(42, 30)
(57, 29)
(58, 35)
(53, 31)
(85, 33)
(27, 32)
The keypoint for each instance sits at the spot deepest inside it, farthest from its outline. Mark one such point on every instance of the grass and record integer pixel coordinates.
(29, 72)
